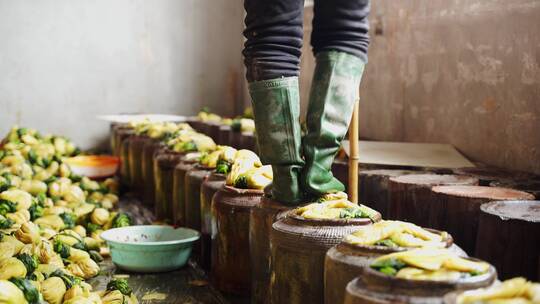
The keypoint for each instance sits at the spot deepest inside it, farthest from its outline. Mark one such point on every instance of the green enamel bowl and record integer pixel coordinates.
(150, 248)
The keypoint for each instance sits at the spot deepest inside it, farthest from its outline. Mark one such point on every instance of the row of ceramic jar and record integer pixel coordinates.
(252, 244)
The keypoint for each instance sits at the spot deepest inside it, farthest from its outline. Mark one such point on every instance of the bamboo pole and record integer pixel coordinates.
(353, 155)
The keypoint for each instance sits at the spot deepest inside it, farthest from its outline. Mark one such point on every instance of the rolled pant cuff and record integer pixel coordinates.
(273, 83)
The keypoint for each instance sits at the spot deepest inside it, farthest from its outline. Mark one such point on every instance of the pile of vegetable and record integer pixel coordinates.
(190, 141)
(210, 159)
(513, 291)
(247, 171)
(396, 234)
(178, 137)
(429, 264)
(225, 159)
(243, 125)
(50, 223)
(159, 130)
(205, 115)
(336, 206)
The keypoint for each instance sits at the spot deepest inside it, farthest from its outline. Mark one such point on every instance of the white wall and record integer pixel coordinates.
(64, 61)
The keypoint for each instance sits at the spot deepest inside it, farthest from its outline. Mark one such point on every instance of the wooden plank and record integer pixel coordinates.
(409, 154)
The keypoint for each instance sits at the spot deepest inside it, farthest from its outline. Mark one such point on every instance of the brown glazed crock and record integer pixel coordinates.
(231, 267)
(298, 248)
(224, 135)
(194, 179)
(136, 145)
(164, 162)
(236, 139)
(114, 137)
(151, 145)
(179, 191)
(213, 130)
(346, 261)
(209, 187)
(248, 141)
(375, 287)
(124, 139)
(263, 216)
(197, 125)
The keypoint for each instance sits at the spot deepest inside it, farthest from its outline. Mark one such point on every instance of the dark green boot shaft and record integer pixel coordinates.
(276, 107)
(334, 90)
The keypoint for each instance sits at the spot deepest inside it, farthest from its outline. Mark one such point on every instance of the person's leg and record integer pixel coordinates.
(272, 56)
(340, 40)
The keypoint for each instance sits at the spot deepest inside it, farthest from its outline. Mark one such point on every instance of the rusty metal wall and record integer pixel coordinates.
(465, 72)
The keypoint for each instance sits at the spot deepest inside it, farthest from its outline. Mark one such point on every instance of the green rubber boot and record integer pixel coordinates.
(333, 92)
(276, 107)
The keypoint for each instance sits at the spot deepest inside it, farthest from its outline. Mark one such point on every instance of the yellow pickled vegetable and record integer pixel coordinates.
(336, 209)
(20, 217)
(421, 274)
(18, 245)
(100, 216)
(28, 233)
(429, 264)
(22, 198)
(7, 250)
(12, 268)
(516, 290)
(85, 268)
(51, 221)
(396, 234)
(53, 290)
(210, 160)
(244, 161)
(11, 294)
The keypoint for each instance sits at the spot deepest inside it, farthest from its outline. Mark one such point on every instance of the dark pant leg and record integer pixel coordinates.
(341, 25)
(274, 38)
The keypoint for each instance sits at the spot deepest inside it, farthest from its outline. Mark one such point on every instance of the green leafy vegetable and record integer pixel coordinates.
(69, 219)
(45, 162)
(359, 212)
(62, 249)
(33, 158)
(223, 167)
(120, 285)
(7, 207)
(5, 223)
(205, 110)
(388, 271)
(36, 210)
(351, 213)
(69, 280)
(22, 131)
(388, 266)
(236, 125)
(386, 243)
(241, 182)
(75, 178)
(40, 198)
(5, 182)
(30, 262)
(50, 180)
(121, 220)
(91, 227)
(188, 146)
(94, 255)
(79, 245)
(31, 293)
(373, 215)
